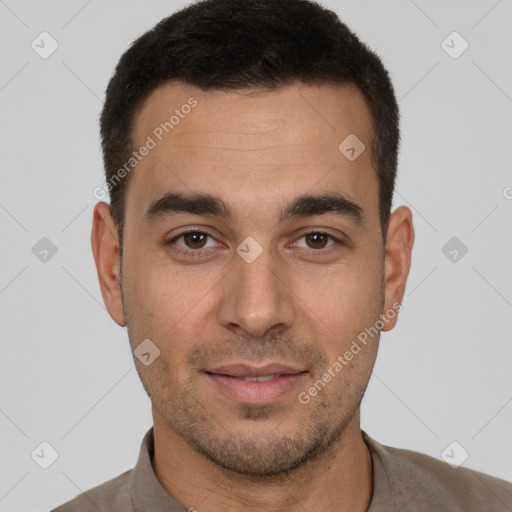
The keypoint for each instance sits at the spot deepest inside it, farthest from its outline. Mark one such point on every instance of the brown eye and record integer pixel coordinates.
(317, 240)
(195, 240)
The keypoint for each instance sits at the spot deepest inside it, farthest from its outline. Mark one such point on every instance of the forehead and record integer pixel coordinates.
(253, 146)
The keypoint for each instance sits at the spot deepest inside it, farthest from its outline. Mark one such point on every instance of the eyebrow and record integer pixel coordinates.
(307, 205)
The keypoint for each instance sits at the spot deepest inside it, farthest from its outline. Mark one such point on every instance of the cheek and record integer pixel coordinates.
(169, 305)
(344, 303)
(162, 293)
(354, 284)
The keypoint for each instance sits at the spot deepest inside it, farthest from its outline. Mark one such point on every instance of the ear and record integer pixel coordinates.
(105, 249)
(399, 243)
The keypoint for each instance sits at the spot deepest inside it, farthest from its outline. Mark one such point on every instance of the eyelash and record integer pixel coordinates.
(198, 253)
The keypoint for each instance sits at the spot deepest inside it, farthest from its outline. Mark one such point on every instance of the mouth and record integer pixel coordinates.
(262, 378)
(251, 385)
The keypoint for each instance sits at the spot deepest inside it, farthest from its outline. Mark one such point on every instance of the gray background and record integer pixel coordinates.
(66, 373)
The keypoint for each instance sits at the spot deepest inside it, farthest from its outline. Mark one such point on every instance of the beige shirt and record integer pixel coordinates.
(403, 480)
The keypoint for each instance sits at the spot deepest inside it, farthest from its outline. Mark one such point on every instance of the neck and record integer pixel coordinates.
(340, 480)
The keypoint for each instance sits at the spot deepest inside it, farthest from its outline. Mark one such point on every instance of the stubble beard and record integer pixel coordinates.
(270, 454)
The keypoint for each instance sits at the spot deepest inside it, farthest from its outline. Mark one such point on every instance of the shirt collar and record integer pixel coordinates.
(147, 493)
(383, 493)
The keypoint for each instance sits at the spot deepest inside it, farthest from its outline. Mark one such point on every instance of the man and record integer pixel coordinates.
(250, 151)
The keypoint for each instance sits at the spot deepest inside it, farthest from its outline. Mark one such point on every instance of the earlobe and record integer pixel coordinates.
(105, 248)
(399, 244)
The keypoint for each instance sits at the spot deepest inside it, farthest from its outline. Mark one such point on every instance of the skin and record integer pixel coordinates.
(300, 302)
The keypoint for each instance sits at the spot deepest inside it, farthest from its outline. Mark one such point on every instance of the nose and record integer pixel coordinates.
(256, 297)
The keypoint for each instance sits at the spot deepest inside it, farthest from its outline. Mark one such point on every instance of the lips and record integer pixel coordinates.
(255, 385)
(244, 370)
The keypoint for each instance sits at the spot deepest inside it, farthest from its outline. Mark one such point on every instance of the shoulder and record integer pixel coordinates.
(419, 482)
(112, 495)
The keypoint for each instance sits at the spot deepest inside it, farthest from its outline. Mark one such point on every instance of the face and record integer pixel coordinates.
(252, 260)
